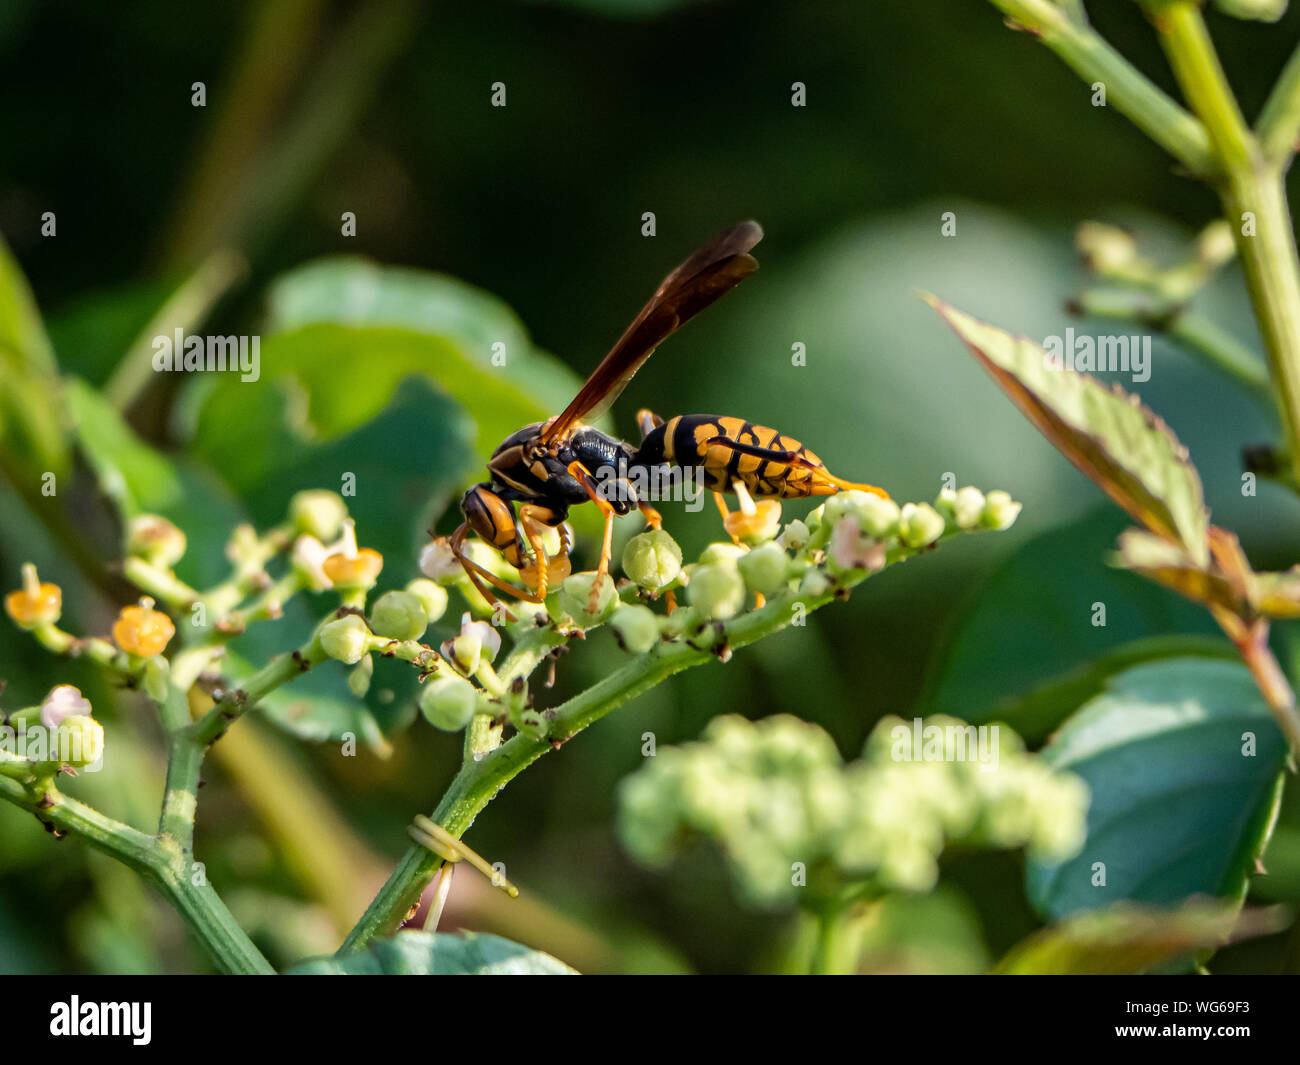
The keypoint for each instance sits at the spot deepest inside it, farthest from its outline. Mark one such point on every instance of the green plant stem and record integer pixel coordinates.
(478, 782)
(236, 703)
(187, 307)
(162, 584)
(1249, 184)
(1278, 127)
(1196, 334)
(1128, 89)
(198, 903)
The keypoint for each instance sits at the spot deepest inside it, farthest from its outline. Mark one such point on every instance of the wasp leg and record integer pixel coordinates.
(725, 511)
(533, 519)
(793, 458)
(647, 421)
(584, 478)
(477, 574)
(653, 519)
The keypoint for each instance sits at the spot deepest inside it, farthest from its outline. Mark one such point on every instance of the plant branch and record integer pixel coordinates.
(1132, 92)
(1254, 201)
(478, 782)
(1278, 128)
(1194, 333)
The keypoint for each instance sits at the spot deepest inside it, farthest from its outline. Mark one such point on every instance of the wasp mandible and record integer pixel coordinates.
(547, 467)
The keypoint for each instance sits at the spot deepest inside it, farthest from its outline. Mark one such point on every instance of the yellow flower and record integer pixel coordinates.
(354, 571)
(350, 566)
(142, 630)
(754, 521)
(36, 602)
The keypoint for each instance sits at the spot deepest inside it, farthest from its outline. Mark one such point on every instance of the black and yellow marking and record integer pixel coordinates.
(726, 449)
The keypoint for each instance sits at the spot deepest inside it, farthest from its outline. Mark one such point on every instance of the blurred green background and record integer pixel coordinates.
(614, 109)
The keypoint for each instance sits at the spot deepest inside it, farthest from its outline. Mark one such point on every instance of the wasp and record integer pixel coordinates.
(547, 467)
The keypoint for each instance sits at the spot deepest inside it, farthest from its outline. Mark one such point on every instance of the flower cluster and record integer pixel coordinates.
(792, 817)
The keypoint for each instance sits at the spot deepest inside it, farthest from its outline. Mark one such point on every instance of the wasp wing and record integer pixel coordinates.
(717, 267)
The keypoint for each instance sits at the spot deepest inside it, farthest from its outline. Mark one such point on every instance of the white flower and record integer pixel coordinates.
(438, 563)
(63, 701)
(308, 558)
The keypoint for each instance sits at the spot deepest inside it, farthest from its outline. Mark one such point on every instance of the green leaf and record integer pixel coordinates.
(530, 386)
(92, 332)
(22, 335)
(1179, 807)
(31, 419)
(1168, 564)
(1106, 432)
(139, 479)
(1028, 651)
(133, 475)
(1125, 938)
(438, 954)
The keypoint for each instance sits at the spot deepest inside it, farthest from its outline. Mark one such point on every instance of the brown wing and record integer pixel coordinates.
(718, 266)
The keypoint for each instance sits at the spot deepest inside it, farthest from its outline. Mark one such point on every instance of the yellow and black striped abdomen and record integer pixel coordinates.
(769, 464)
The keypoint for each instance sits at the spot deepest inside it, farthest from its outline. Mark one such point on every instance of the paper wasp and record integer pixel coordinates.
(547, 467)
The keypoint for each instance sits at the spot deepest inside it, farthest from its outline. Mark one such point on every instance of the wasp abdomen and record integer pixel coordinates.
(726, 449)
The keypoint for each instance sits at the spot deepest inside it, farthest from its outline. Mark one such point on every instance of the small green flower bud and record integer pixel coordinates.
(318, 513)
(967, 507)
(400, 615)
(682, 621)
(466, 651)
(1000, 510)
(156, 673)
(433, 597)
(575, 596)
(1214, 245)
(652, 559)
(795, 536)
(877, 517)
(1107, 249)
(531, 723)
(717, 590)
(346, 639)
(814, 584)
(816, 516)
(449, 703)
(78, 742)
(723, 551)
(636, 628)
(155, 539)
(765, 569)
(919, 524)
(359, 678)
(1258, 10)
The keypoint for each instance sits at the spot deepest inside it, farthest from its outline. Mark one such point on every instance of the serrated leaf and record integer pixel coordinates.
(1184, 763)
(1168, 564)
(438, 954)
(1277, 594)
(1106, 432)
(1126, 938)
